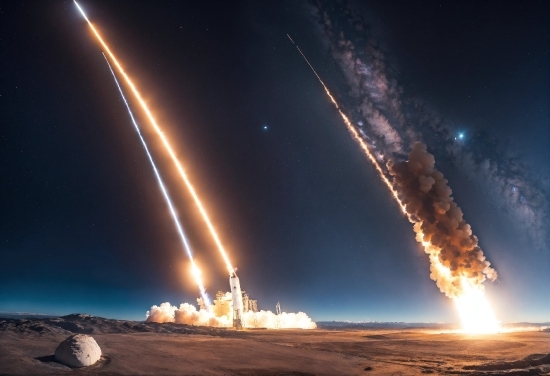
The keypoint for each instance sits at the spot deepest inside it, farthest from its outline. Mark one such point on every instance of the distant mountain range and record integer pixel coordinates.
(405, 325)
(381, 325)
(330, 325)
(25, 315)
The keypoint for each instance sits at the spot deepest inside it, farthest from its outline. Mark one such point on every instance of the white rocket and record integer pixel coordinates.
(237, 298)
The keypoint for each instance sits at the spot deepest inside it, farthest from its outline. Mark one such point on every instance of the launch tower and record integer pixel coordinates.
(237, 297)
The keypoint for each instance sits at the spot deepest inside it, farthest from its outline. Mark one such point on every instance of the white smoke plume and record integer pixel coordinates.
(188, 314)
(390, 123)
(162, 313)
(439, 224)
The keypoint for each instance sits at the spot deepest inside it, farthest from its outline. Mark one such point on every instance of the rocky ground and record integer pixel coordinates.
(133, 348)
(86, 324)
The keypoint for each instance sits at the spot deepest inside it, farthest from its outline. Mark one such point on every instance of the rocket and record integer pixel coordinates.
(237, 298)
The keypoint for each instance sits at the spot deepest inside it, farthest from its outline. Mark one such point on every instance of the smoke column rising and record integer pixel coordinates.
(457, 263)
(439, 224)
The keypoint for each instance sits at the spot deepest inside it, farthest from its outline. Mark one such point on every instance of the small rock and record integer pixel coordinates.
(78, 350)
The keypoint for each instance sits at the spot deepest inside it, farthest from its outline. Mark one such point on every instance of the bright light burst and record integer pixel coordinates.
(476, 314)
(475, 311)
(195, 270)
(165, 142)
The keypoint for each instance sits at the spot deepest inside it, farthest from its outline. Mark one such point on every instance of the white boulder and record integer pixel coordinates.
(79, 350)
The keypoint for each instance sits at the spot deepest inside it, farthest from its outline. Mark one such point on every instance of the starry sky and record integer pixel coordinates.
(302, 213)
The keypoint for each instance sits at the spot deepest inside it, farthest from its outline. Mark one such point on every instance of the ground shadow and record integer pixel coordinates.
(530, 365)
(49, 360)
(46, 359)
(530, 361)
(377, 336)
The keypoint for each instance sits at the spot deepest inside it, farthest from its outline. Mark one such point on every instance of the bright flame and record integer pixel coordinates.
(197, 273)
(165, 142)
(195, 270)
(474, 309)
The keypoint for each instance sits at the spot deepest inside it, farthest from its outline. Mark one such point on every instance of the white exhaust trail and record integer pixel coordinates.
(186, 246)
(165, 142)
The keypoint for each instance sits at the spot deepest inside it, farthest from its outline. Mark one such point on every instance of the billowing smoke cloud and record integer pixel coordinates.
(162, 313)
(390, 123)
(188, 314)
(484, 160)
(439, 223)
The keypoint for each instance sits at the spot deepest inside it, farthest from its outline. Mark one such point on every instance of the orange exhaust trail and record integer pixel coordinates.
(194, 268)
(355, 135)
(165, 142)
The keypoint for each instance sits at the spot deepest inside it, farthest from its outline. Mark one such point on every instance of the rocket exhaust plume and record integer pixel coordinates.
(165, 143)
(222, 317)
(457, 262)
(195, 269)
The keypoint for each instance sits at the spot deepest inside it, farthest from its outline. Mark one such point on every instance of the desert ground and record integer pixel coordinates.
(135, 348)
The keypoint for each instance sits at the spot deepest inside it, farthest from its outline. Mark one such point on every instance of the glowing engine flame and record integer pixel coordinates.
(474, 309)
(195, 270)
(476, 314)
(165, 142)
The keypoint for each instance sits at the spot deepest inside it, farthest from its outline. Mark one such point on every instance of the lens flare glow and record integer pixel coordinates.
(187, 247)
(474, 309)
(165, 143)
(476, 314)
(196, 271)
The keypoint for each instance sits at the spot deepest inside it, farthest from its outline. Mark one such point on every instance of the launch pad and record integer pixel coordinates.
(235, 302)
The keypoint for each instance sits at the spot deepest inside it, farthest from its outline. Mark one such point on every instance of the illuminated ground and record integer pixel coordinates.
(131, 348)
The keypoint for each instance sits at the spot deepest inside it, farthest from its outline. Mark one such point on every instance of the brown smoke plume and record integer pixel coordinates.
(439, 223)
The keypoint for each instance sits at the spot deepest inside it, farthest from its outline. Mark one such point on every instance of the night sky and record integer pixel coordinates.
(301, 211)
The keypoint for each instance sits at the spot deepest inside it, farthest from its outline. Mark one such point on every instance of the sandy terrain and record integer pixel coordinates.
(130, 348)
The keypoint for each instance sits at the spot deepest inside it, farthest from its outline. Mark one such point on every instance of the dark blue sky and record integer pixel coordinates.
(84, 227)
